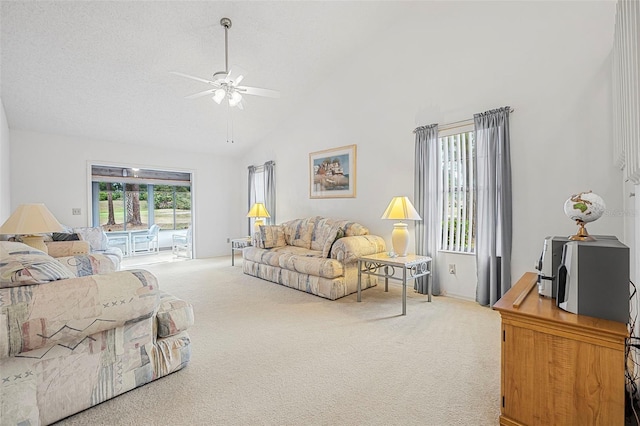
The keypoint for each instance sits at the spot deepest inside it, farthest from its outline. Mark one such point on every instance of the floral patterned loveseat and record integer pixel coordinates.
(316, 255)
(83, 240)
(74, 332)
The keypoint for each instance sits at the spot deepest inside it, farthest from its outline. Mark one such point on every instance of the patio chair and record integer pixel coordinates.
(181, 245)
(149, 239)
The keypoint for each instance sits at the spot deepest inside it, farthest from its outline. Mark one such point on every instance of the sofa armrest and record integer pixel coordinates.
(349, 249)
(113, 253)
(174, 315)
(67, 248)
(65, 312)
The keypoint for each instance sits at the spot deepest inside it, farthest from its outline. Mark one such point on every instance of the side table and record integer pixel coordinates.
(416, 266)
(238, 244)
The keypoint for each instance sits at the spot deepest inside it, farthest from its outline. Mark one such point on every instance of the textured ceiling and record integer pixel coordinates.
(101, 69)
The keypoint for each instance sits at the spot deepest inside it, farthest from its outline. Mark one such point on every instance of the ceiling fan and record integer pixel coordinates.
(226, 83)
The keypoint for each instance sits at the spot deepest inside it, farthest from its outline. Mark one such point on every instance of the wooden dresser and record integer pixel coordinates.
(558, 368)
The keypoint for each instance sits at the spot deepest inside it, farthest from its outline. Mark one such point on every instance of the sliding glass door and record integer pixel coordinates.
(130, 200)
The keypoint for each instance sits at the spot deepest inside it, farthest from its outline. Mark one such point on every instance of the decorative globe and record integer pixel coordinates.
(585, 207)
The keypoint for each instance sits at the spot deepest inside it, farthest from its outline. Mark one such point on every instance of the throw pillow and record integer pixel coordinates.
(271, 236)
(331, 236)
(22, 266)
(353, 229)
(63, 236)
(97, 238)
(339, 234)
(298, 232)
(323, 230)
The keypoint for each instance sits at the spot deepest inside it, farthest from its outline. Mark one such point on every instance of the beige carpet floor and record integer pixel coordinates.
(264, 354)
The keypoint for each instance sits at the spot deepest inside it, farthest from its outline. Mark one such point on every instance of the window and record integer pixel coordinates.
(257, 195)
(172, 206)
(258, 184)
(262, 189)
(457, 196)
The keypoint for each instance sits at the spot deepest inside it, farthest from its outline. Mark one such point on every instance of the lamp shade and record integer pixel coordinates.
(402, 209)
(31, 219)
(258, 210)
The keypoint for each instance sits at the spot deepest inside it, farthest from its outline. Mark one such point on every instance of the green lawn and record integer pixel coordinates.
(163, 217)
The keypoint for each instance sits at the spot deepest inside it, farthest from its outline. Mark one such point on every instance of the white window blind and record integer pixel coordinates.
(258, 180)
(457, 200)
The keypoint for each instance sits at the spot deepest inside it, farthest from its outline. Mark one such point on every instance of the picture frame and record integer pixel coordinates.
(332, 173)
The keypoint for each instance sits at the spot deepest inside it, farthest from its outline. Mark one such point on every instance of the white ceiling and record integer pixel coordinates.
(101, 69)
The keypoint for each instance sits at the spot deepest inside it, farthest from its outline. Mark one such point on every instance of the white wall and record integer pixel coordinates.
(548, 60)
(5, 167)
(462, 283)
(53, 169)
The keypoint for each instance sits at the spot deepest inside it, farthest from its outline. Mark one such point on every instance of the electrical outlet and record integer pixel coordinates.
(75, 211)
(452, 268)
(228, 240)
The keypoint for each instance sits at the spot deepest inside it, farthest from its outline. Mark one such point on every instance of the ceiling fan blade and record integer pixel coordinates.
(192, 77)
(235, 76)
(258, 91)
(200, 94)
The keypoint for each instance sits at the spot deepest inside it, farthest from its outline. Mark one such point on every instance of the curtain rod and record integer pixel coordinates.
(452, 125)
(261, 166)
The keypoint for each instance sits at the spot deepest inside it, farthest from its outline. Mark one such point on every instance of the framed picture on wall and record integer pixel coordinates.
(332, 173)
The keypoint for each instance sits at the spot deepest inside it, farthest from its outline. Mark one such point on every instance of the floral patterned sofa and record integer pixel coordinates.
(316, 255)
(75, 332)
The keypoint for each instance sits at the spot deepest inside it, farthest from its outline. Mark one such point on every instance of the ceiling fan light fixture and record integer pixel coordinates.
(218, 96)
(225, 84)
(234, 99)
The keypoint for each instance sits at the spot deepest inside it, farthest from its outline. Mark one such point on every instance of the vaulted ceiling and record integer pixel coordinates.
(101, 70)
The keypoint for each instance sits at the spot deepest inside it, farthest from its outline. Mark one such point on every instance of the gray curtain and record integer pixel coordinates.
(493, 205)
(426, 192)
(251, 197)
(270, 191)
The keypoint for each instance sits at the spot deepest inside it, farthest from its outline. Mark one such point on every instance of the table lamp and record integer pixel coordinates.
(402, 209)
(258, 211)
(31, 219)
